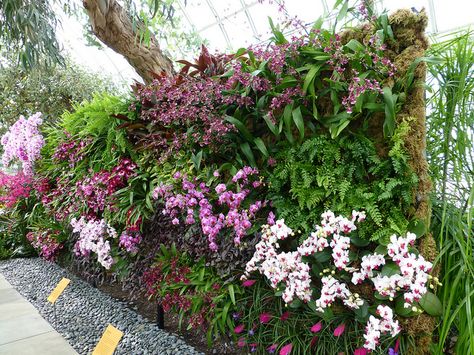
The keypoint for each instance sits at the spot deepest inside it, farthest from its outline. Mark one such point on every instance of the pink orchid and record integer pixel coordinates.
(241, 343)
(239, 329)
(248, 283)
(265, 318)
(316, 327)
(271, 349)
(285, 316)
(286, 349)
(339, 330)
(360, 351)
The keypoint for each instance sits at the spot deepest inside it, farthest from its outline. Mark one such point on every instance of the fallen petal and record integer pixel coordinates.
(339, 330)
(286, 349)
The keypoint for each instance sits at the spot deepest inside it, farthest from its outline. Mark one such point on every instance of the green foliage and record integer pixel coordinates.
(451, 157)
(341, 175)
(28, 28)
(50, 90)
(96, 120)
(198, 288)
(13, 229)
(134, 201)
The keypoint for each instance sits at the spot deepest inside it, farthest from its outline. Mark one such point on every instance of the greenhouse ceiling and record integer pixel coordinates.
(227, 25)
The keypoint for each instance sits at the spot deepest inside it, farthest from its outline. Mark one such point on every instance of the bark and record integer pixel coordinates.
(112, 24)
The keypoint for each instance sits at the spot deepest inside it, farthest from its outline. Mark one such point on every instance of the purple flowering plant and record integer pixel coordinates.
(217, 206)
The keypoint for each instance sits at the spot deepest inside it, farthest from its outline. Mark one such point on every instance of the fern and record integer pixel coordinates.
(344, 174)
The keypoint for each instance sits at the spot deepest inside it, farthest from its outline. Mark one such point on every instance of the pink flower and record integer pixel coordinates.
(339, 330)
(241, 343)
(248, 283)
(316, 327)
(271, 349)
(360, 351)
(239, 329)
(286, 349)
(265, 318)
(285, 316)
(220, 188)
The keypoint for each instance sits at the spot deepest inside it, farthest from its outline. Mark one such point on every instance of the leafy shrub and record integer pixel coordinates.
(50, 90)
(193, 291)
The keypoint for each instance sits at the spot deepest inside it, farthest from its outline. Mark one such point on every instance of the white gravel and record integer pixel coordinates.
(83, 312)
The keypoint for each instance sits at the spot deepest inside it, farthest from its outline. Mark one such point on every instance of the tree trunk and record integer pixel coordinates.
(112, 24)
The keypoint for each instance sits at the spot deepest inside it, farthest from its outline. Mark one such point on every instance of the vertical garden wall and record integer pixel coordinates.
(278, 196)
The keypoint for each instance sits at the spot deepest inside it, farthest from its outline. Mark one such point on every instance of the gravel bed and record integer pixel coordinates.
(83, 312)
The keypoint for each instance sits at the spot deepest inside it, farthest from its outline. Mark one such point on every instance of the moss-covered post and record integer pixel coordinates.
(409, 44)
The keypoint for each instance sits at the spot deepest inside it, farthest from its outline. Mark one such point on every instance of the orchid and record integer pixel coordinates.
(45, 242)
(289, 271)
(23, 142)
(197, 198)
(375, 327)
(93, 236)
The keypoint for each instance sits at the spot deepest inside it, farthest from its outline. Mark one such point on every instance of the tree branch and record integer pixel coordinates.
(112, 24)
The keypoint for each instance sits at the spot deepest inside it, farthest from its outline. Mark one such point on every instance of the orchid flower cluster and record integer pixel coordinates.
(45, 243)
(414, 271)
(93, 235)
(291, 271)
(23, 142)
(71, 150)
(290, 268)
(176, 103)
(197, 201)
(129, 240)
(375, 327)
(281, 267)
(96, 190)
(357, 87)
(14, 188)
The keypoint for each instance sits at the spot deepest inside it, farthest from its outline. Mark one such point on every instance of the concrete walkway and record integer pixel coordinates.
(23, 331)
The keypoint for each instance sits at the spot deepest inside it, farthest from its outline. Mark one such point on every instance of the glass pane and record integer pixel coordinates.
(239, 31)
(215, 38)
(453, 14)
(200, 14)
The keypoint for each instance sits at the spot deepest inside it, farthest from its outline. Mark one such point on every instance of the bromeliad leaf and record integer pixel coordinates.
(245, 147)
(298, 119)
(240, 126)
(355, 45)
(309, 79)
(389, 123)
(261, 146)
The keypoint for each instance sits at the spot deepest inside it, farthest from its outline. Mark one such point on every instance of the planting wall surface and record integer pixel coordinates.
(261, 196)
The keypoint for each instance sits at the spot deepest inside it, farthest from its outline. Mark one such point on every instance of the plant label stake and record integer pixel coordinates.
(160, 316)
(108, 342)
(58, 290)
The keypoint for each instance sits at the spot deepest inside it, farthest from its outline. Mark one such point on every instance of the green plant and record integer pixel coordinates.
(13, 229)
(450, 154)
(50, 90)
(193, 291)
(343, 174)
